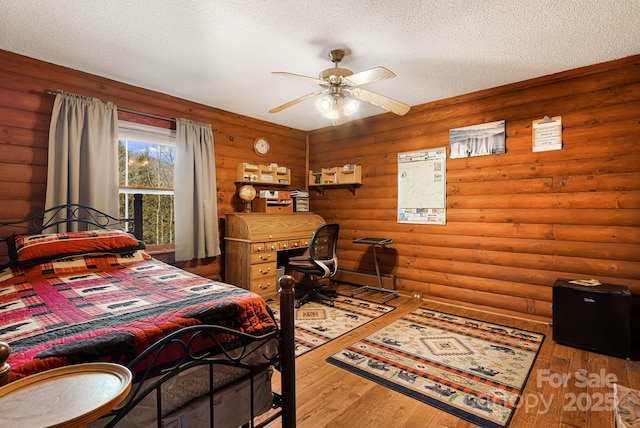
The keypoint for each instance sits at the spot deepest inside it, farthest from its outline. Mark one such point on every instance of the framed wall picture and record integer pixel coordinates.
(477, 140)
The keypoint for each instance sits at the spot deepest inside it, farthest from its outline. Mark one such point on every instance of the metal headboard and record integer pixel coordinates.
(53, 219)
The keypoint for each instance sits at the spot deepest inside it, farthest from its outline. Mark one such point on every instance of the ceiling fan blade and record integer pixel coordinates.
(380, 100)
(301, 77)
(368, 76)
(296, 101)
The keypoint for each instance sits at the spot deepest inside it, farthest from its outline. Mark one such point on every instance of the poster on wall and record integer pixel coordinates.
(478, 140)
(547, 134)
(422, 186)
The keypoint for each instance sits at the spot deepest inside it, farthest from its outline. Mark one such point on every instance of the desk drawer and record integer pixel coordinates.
(258, 247)
(263, 286)
(263, 257)
(304, 242)
(261, 247)
(262, 270)
(284, 245)
(263, 278)
(294, 243)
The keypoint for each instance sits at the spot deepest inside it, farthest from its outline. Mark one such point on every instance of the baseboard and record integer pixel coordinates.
(352, 276)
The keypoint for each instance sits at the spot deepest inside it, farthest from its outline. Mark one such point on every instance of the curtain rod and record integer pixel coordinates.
(139, 113)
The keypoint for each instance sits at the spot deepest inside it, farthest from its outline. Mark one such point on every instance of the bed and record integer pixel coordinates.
(199, 350)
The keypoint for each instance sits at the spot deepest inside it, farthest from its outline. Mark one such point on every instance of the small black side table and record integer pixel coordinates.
(376, 242)
(592, 317)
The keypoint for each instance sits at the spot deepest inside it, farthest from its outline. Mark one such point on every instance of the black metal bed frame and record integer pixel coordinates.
(149, 380)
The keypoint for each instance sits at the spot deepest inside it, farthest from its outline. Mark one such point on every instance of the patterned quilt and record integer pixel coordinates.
(110, 307)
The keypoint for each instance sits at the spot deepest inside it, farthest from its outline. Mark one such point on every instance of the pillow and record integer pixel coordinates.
(32, 249)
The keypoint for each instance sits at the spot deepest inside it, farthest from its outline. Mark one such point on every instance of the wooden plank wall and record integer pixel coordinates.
(25, 112)
(516, 221)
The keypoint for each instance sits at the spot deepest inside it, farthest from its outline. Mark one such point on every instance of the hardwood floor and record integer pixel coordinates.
(328, 396)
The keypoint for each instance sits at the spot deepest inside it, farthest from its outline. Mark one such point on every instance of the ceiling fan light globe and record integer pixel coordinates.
(336, 106)
(331, 114)
(325, 104)
(350, 106)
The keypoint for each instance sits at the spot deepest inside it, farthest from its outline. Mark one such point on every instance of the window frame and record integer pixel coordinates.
(143, 133)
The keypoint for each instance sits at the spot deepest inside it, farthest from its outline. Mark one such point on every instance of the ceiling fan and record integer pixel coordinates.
(341, 89)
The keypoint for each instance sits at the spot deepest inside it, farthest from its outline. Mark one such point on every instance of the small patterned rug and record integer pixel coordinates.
(317, 323)
(626, 403)
(472, 369)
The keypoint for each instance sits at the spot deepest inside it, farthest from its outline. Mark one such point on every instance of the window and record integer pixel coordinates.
(146, 162)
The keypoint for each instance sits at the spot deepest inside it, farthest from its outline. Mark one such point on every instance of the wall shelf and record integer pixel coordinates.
(349, 176)
(321, 188)
(270, 175)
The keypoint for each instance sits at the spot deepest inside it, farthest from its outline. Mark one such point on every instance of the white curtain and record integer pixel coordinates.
(83, 153)
(196, 207)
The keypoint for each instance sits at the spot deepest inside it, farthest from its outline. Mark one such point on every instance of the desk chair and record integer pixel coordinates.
(321, 262)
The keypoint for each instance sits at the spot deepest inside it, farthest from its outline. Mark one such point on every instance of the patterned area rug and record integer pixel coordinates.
(317, 323)
(626, 403)
(469, 368)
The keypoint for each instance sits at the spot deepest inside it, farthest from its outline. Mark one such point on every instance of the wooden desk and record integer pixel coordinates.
(252, 243)
(69, 396)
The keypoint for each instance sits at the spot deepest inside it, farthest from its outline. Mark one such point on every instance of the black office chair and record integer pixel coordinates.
(321, 262)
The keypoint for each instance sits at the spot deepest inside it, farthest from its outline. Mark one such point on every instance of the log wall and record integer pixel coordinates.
(515, 221)
(25, 111)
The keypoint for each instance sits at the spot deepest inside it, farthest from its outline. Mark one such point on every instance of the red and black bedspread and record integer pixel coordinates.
(111, 307)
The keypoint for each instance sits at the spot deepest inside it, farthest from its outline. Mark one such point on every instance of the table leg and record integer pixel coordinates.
(375, 263)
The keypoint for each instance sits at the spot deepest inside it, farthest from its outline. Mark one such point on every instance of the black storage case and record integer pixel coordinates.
(595, 318)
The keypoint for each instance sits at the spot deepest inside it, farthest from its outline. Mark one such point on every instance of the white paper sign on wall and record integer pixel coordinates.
(547, 134)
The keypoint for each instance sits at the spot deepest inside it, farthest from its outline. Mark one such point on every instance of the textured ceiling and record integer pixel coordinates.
(221, 53)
